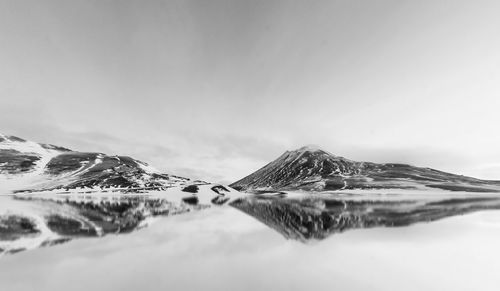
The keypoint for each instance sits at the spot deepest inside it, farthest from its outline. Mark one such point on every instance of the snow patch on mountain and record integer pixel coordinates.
(313, 169)
(28, 167)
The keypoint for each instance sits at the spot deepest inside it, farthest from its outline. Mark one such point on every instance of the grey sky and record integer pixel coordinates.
(215, 89)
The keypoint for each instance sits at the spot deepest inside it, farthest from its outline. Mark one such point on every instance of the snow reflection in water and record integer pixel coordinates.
(222, 248)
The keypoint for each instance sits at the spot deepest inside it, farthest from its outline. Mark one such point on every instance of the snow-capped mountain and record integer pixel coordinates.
(310, 168)
(27, 166)
(50, 204)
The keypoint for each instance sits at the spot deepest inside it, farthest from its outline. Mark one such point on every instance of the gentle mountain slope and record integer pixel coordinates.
(314, 169)
(27, 166)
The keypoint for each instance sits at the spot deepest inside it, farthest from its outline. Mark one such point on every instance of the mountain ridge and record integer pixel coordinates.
(314, 169)
(27, 166)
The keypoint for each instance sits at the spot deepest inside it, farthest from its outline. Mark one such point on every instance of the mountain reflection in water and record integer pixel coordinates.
(320, 217)
(28, 222)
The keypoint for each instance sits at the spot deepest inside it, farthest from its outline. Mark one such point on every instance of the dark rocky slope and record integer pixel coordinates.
(27, 166)
(314, 169)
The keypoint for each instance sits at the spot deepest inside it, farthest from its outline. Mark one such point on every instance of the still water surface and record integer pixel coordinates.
(386, 243)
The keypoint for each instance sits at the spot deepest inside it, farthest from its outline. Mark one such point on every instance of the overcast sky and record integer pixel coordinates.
(216, 89)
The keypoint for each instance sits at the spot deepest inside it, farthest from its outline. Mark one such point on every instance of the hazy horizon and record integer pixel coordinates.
(214, 90)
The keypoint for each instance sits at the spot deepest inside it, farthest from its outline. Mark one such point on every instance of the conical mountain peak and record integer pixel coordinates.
(310, 148)
(314, 169)
(313, 150)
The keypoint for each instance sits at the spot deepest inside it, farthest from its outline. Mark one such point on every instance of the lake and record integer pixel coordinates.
(356, 240)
